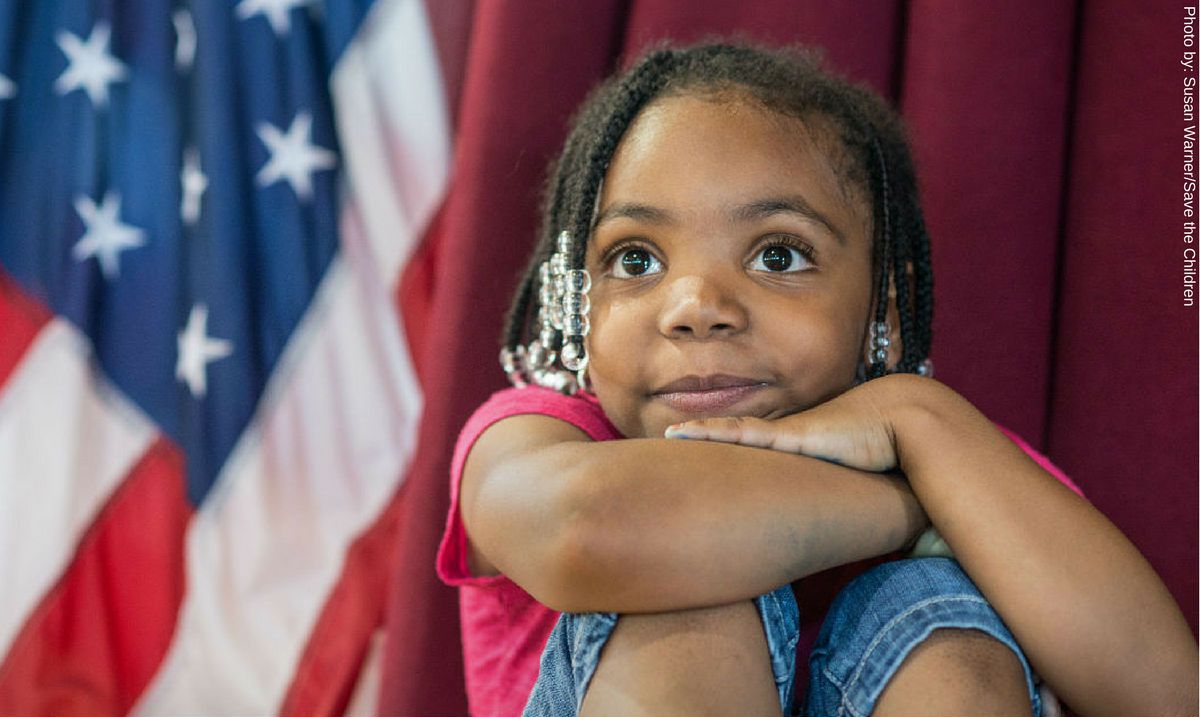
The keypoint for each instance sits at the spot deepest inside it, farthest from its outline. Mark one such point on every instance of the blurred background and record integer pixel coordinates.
(254, 256)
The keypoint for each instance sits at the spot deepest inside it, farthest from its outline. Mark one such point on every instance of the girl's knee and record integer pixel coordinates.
(973, 658)
(957, 671)
(705, 661)
(921, 619)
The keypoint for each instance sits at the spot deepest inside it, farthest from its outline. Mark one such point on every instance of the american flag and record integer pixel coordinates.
(207, 402)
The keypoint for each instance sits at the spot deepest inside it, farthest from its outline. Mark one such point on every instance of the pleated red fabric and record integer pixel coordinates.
(1122, 413)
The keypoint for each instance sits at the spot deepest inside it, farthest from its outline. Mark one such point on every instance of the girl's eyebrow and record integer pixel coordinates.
(633, 210)
(741, 214)
(794, 204)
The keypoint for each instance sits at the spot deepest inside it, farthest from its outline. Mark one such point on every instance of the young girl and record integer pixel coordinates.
(730, 240)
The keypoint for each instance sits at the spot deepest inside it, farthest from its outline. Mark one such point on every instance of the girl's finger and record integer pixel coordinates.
(743, 430)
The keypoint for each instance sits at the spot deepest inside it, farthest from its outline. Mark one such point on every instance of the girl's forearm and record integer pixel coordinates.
(1091, 614)
(710, 526)
(653, 525)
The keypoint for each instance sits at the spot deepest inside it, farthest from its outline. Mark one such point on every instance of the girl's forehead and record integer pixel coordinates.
(726, 144)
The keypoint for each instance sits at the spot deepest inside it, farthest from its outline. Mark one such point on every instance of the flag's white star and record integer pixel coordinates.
(194, 183)
(293, 157)
(106, 236)
(197, 350)
(8, 88)
(185, 40)
(275, 10)
(90, 66)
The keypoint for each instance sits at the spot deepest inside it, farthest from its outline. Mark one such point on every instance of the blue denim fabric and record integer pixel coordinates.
(880, 617)
(871, 627)
(573, 651)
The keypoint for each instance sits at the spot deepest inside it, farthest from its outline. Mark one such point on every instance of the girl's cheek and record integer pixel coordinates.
(610, 331)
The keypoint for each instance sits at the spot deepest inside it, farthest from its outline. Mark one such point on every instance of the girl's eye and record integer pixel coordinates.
(635, 262)
(780, 258)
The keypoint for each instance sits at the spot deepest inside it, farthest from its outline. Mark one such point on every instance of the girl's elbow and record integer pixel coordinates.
(569, 576)
(580, 546)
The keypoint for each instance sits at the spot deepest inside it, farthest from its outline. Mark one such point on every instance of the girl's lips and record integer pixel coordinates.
(708, 394)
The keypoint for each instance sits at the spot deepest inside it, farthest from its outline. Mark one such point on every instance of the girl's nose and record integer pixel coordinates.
(696, 307)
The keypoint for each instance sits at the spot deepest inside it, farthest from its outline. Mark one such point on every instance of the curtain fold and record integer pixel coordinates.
(985, 94)
(1123, 410)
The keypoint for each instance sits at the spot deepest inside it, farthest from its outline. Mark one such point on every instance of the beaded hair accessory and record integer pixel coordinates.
(563, 321)
(880, 336)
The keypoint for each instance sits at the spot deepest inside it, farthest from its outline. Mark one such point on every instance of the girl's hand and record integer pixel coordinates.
(854, 429)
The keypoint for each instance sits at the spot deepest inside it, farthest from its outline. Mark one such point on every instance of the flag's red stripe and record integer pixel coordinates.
(97, 637)
(337, 647)
(21, 318)
(329, 667)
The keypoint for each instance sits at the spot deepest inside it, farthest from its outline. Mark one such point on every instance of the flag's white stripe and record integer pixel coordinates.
(395, 138)
(312, 472)
(334, 432)
(365, 697)
(67, 440)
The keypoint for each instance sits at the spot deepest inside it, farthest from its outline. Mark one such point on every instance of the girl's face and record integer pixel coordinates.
(731, 275)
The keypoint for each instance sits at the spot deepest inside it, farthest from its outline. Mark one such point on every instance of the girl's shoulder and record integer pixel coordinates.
(581, 410)
(538, 400)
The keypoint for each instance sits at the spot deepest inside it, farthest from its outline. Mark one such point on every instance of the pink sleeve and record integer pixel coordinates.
(581, 411)
(1042, 461)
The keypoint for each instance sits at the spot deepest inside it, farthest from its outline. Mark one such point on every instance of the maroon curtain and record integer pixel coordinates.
(1050, 146)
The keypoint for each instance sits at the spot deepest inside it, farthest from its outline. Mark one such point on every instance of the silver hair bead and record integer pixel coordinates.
(513, 363)
(558, 264)
(576, 302)
(578, 280)
(563, 307)
(576, 325)
(540, 356)
(573, 356)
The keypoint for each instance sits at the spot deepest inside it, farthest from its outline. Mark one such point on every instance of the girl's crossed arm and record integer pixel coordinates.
(649, 525)
(1090, 613)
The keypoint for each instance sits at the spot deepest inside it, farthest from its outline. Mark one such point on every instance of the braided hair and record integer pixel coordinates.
(862, 135)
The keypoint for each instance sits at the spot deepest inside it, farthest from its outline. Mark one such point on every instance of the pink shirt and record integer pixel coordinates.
(503, 628)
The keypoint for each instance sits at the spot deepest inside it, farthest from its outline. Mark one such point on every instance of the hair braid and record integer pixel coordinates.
(922, 283)
(563, 171)
(885, 252)
(900, 281)
(914, 292)
(515, 321)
